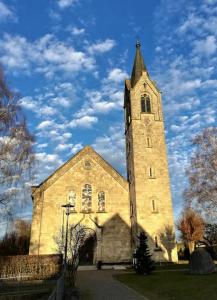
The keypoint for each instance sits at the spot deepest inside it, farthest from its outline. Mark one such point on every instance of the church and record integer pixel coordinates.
(114, 208)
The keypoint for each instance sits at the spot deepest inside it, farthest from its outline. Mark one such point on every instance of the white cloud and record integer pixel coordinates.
(46, 55)
(27, 103)
(84, 122)
(70, 147)
(61, 101)
(47, 111)
(117, 75)
(41, 146)
(66, 3)
(112, 147)
(45, 124)
(48, 158)
(101, 46)
(63, 147)
(206, 46)
(6, 12)
(77, 31)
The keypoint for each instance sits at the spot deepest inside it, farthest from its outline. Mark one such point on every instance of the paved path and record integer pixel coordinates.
(100, 285)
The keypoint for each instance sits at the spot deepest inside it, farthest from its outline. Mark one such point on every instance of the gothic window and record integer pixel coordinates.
(145, 104)
(86, 198)
(101, 201)
(72, 200)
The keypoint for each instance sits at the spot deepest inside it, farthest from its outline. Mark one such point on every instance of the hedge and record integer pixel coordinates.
(30, 266)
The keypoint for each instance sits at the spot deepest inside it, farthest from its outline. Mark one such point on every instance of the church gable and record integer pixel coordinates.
(88, 157)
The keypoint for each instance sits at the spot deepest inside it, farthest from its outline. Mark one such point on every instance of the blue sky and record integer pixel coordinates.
(68, 60)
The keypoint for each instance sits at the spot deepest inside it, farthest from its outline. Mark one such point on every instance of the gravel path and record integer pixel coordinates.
(100, 285)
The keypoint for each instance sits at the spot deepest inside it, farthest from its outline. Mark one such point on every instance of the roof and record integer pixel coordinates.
(72, 161)
(138, 66)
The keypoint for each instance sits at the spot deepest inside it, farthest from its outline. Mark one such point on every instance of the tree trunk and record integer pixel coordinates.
(191, 246)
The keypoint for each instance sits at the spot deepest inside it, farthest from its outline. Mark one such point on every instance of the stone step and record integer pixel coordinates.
(87, 268)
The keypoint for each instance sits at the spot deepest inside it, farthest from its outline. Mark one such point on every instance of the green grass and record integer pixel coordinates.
(172, 267)
(174, 285)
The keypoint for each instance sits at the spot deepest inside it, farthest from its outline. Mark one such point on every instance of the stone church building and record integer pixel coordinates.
(115, 209)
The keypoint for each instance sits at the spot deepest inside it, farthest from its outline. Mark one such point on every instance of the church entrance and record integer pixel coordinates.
(87, 251)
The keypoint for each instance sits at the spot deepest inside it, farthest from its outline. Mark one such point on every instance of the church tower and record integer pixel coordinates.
(147, 168)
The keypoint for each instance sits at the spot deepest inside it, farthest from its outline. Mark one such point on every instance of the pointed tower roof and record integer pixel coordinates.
(138, 65)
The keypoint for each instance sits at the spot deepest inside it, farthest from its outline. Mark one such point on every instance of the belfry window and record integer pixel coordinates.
(145, 104)
(72, 200)
(101, 202)
(86, 198)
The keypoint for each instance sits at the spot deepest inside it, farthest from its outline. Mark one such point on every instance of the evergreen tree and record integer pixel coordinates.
(144, 263)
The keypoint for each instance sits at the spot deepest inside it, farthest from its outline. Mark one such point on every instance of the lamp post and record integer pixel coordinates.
(67, 206)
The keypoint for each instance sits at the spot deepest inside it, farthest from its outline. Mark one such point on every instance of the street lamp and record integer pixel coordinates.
(67, 206)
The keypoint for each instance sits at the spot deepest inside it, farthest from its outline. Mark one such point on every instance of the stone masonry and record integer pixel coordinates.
(141, 203)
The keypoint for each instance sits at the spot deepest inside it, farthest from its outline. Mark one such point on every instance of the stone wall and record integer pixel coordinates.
(147, 164)
(112, 227)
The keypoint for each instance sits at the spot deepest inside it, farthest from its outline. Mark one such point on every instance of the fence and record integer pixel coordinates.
(58, 292)
(25, 267)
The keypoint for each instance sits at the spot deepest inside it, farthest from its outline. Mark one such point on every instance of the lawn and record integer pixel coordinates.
(172, 285)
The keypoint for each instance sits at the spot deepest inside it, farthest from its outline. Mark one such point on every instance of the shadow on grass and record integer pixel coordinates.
(177, 285)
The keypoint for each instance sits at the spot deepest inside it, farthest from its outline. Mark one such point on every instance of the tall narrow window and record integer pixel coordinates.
(149, 143)
(153, 206)
(72, 200)
(128, 147)
(101, 201)
(156, 241)
(87, 198)
(151, 172)
(145, 104)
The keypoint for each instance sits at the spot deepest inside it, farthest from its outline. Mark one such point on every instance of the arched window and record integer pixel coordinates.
(101, 201)
(145, 104)
(72, 200)
(86, 198)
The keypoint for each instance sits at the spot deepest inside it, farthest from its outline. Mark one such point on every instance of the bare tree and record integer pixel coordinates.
(191, 225)
(210, 239)
(78, 234)
(16, 147)
(16, 241)
(201, 192)
(168, 240)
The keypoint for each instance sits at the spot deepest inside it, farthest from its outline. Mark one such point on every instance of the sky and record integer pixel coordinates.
(68, 60)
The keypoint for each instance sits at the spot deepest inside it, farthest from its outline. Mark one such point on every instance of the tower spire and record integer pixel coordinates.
(138, 65)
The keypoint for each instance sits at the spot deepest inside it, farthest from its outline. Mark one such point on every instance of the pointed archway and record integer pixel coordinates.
(87, 251)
